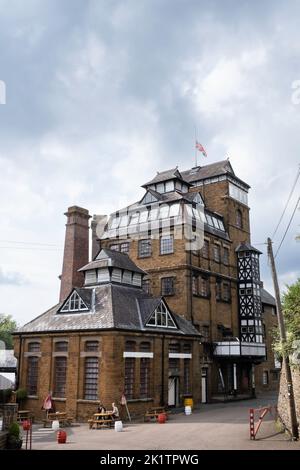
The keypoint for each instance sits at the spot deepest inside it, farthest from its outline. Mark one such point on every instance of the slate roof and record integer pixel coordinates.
(115, 307)
(247, 247)
(208, 171)
(267, 298)
(166, 175)
(112, 258)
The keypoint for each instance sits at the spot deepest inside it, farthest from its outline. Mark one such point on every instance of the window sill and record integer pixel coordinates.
(145, 256)
(166, 254)
(168, 295)
(201, 296)
(136, 400)
(32, 397)
(92, 402)
(58, 399)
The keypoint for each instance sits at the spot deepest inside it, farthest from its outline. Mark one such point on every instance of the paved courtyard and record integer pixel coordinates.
(217, 426)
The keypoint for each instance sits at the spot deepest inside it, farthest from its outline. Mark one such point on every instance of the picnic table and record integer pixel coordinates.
(153, 413)
(24, 415)
(61, 416)
(102, 420)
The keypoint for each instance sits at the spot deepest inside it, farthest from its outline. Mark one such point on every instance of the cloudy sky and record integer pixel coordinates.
(101, 94)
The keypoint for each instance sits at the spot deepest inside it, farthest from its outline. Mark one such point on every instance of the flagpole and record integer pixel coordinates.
(195, 147)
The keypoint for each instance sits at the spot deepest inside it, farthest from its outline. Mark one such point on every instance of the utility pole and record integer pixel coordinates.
(285, 359)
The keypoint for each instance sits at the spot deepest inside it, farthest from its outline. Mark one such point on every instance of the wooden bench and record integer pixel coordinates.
(153, 413)
(61, 417)
(102, 423)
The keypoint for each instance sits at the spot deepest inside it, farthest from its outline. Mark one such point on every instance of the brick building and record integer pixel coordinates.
(174, 281)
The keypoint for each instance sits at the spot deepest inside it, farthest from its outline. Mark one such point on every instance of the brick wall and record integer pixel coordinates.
(283, 405)
(111, 372)
(270, 322)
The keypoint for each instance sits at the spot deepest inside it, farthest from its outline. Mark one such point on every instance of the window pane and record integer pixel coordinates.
(144, 377)
(91, 378)
(164, 212)
(167, 286)
(143, 217)
(61, 346)
(134, 219)
(91, 345)
(60, 376)
(124, 221)
(166, 245)
(32, 375)
(144, 248)
(174, 210)
(129, 377)
(169, 186)
(124, 247)
(34, 347)
(153, 214)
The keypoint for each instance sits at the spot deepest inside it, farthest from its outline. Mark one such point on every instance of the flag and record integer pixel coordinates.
(123, 400)
(201, 148)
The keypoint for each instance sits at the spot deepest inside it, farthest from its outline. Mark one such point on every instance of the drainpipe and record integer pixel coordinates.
(253, 380)
(234, 380)
(162, 372)
(19, 364)
(191, 289)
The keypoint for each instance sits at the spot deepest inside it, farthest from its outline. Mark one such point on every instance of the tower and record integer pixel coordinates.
(76, 251)
(250, 310)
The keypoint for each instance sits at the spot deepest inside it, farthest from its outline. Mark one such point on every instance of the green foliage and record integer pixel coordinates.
(21, 394)
(291, 309)
(291, 313)
(7, 326)
(14, 430)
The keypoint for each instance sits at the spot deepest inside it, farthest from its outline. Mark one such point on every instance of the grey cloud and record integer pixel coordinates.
(101, 94)
(11, 278)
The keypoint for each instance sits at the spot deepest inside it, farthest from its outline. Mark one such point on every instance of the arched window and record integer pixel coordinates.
(239, 218)
(34, 347)
(130, 346)
(61, 346)
(91, 346)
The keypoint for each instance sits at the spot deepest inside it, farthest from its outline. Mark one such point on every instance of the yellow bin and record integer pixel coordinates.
(188, 402)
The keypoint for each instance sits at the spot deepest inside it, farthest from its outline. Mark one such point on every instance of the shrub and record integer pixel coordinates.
(21, 394)
(14, 430)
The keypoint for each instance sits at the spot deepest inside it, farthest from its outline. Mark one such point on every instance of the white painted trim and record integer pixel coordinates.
(32, 354)
(137, 354)
(180, 356)
(234, 377)
(90, 354)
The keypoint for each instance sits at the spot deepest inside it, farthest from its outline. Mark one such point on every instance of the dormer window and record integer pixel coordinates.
(74, 304)
(161, 318)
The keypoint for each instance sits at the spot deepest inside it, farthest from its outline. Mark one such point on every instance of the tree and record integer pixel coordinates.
(291, 313)
(291, 309)
(7, 326)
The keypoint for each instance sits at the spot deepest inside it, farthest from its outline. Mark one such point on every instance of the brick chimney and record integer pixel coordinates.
(76, 252)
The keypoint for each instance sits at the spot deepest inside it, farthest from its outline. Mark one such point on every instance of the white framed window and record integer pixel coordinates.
(166, 245)
(162, 318)
(134, 218)
(164, 212)
(169, 186)
(74, 304)
(143, 217)
(174, 210)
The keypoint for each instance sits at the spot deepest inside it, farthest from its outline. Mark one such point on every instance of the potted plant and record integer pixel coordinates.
(21, 395)
(13, 440)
